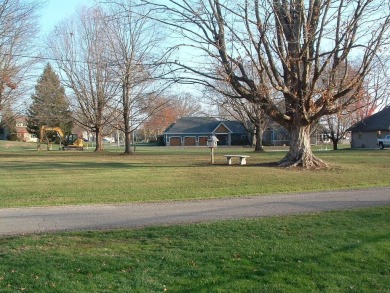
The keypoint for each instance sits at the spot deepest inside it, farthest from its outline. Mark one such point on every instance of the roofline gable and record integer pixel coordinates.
(377, 121)
(223, 125)
(207, 126)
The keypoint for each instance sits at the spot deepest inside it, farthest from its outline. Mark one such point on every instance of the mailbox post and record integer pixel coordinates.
(212, 143)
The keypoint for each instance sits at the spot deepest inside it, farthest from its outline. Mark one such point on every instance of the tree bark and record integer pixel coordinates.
(99, 143)
(127, 115)
(335, 141)
(128, 150)
(259, 138)
(300, 153)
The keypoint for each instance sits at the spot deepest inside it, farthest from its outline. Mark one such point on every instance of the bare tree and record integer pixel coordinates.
(251, 115)
(18, 28)
(292, 43)
(186, 105)
(132, 38)
(378, 83)
(171, 107)
(335, 126)
(82, 54)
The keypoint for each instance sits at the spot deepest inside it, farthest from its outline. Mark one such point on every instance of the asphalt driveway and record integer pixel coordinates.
(16, 221)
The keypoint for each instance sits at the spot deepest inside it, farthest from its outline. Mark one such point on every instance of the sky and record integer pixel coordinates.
(55, 11)
(51, 14)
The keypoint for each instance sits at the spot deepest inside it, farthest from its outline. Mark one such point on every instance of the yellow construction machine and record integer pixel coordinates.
(68, 142)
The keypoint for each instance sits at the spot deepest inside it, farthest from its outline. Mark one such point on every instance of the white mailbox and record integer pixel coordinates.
(212, 141)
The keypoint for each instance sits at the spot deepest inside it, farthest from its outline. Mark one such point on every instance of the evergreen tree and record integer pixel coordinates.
(49, 106)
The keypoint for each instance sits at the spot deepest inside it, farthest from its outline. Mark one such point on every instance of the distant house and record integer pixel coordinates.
(194, 131)
(275, 135)
(17, 131)
(21, 130)
(365, 133)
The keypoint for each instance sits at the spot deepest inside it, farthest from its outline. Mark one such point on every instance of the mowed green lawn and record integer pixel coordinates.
(31, 178)
(343, 251)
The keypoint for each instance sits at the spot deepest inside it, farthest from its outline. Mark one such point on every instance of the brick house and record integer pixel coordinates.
(21, 130)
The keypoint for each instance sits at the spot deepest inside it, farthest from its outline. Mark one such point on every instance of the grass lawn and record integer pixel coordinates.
(31, 178)
(344, 251)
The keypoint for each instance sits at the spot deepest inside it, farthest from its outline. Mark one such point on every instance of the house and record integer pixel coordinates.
(18, 131)
(365, 133)
(275, 135)
(194, 131)
(21, 130)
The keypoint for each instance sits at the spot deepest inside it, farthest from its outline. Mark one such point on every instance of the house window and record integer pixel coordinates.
(21, 124)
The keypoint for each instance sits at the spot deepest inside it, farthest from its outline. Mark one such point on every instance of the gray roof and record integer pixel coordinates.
(375, 122)
(202, 125)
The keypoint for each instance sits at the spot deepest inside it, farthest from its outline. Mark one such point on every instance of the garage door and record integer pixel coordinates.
(175, 141)
(203, 140)
(189, 141)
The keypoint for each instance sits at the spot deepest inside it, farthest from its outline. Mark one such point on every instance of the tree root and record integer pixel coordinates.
(305, 162)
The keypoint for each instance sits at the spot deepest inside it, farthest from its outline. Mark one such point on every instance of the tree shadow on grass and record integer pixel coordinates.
(265, 164)
(69, 165)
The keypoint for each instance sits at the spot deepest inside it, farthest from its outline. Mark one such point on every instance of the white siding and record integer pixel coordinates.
(364, 139)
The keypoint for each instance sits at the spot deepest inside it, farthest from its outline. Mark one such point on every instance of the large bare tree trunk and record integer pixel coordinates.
(300, 153)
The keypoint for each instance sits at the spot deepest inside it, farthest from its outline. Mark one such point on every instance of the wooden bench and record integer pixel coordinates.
(241, 157)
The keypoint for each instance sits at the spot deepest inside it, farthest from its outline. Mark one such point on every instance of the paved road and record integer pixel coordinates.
(16, 221)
